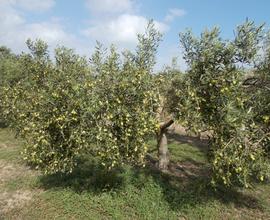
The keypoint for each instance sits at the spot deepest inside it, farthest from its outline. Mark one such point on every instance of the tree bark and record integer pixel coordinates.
(162, 146)
(163, 152)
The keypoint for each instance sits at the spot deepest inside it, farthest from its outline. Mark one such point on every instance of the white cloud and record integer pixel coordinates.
(121, 30)
(30, 5)
(52, 33)
(33, 5)
(109, 6)
(9, 17)
(113, 21)
(173, 13)
(15, 30)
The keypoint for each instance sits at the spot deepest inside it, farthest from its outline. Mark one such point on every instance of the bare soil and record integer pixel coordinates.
(13, 200)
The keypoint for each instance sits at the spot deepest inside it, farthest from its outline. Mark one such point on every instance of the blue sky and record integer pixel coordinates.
(78, 23)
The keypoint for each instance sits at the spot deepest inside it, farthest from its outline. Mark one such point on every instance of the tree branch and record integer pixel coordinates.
(165, 125)
(250, 81)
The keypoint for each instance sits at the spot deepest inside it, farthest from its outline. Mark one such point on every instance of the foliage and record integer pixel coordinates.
(259, 86)
(9, 68)
(111, 106)
(124, 116)
(67, 107)
(125, 102)
(44, 107)
(166, 82)
(9, 73)
(214, 99)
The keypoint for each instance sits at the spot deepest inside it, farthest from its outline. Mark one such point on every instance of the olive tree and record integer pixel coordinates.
(125, 100)
(257, 84)
(44, 107)
(67, 107)
(216, 101)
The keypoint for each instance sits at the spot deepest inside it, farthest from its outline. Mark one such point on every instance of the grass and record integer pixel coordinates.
(9, 146)
(125, 193)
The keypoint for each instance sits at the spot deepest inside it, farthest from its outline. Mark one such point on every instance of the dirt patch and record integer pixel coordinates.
(189, 169)
(184, 170)
(10, 171)
(178, 129)
(2, 145)
(175, 128)
(14, 200)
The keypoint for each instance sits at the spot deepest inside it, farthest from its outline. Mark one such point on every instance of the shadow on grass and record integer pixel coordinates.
(3, 124)
(191, 140)
(189, 190)
(181, 187)
(87, 176)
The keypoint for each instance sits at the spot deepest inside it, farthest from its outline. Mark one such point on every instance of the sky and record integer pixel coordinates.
(78, 24)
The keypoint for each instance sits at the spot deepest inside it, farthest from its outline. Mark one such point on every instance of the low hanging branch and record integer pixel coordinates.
(251, 81)
(165, 125)
(256, 82)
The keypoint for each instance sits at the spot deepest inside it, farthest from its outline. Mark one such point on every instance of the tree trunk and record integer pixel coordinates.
(162, 146)
(163, 152)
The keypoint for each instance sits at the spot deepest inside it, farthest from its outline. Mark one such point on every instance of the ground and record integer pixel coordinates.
(127, 193)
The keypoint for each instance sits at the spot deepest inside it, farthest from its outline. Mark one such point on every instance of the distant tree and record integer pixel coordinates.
(257, 84)
(9, 73)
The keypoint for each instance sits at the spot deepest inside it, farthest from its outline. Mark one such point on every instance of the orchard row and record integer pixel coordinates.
(110, 106)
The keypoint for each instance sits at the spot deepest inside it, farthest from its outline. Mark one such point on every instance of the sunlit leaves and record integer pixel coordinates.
(215, 100)
(65, 107)
(45, 107)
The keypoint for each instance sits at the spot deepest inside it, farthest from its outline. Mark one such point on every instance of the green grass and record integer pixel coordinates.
(9, 146)
(183, 148)
(130, 193)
